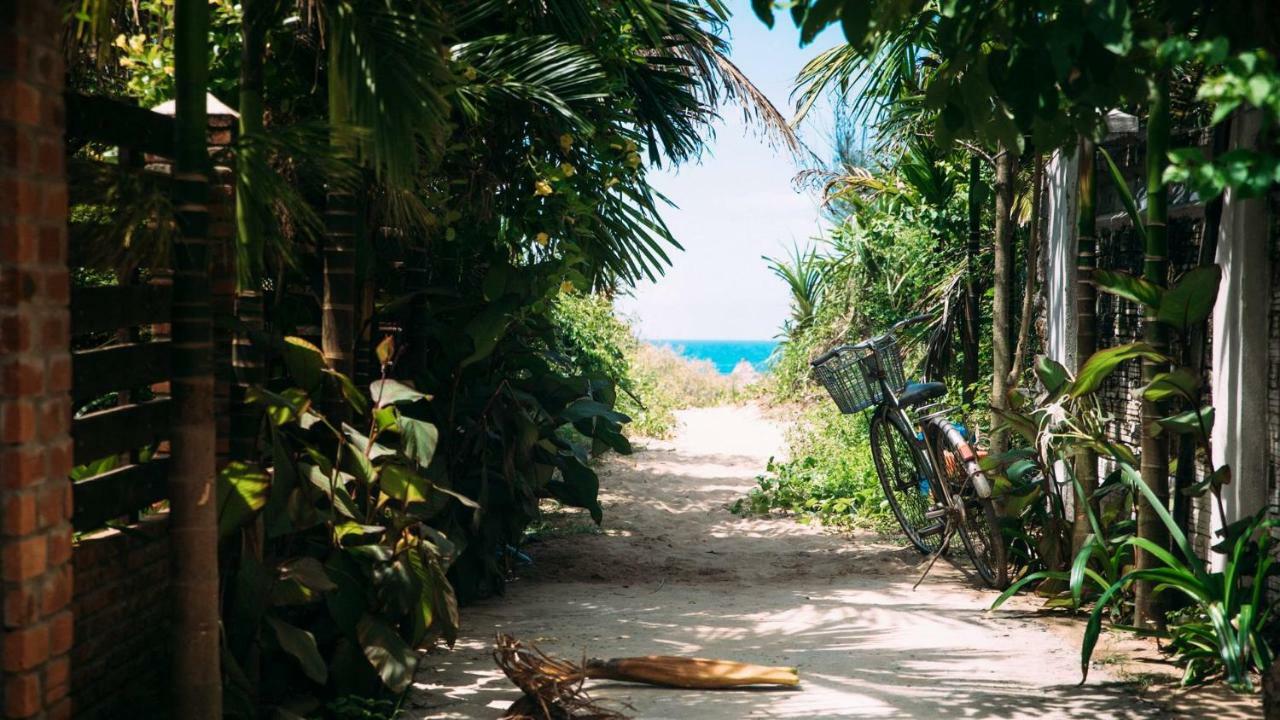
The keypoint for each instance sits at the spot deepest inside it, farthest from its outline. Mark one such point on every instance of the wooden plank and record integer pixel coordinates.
(119, 430)
(112, 122)
(119, 367)
(102, 309)
(118, 492)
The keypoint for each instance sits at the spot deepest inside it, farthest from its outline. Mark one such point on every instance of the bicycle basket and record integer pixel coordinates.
(851, 377)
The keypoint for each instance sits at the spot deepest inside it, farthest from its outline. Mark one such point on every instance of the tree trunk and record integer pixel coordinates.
(1003, 297)
(196, 675)
(1032, 263)
(972, 308)
(246, 362)
(1086, 461)
(1155, 449)
(337, 327)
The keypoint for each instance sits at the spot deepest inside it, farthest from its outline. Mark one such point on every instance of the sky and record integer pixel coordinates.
(735, 205)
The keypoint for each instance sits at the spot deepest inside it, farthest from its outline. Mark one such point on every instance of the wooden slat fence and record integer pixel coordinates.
(120, 362)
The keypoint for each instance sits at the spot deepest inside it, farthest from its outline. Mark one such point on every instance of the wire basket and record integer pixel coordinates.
(853, 377)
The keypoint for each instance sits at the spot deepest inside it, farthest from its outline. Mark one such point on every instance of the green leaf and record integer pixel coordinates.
(304, 361)
(588, 409)
(302, 646)
(1129, 287)
(485, 330)
(387, 652)
(403, 484)
(349, 391)
(418, 440)
(1101, 364)
(580, 487)
(1180, 383)
(1190, 301)
(1192, 422)
(1052, 375)
(1126, 196)
(242, 491)
(394, 392)
(308, 572)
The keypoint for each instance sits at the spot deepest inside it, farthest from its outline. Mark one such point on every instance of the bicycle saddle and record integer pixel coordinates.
(920, 393)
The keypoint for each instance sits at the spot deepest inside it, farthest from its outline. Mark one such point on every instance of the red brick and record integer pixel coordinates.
(53, 245)
(22, 695)
(61, 547)
(57, 283)
(26, 648)
(21, 467)
(21, 605)
(15, 334)
(57, 592)
(51, 158)
(55, 418)
(17, 421)
(19, 513)
(61, 633)
(53, 200)
(22, 377)
(53, 503)
(59, 711)
(59, 373)
(60, 458)
(55, 332)
(23, 559)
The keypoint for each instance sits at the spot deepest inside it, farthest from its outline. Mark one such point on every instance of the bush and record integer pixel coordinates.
(832, 479)
(653, 382)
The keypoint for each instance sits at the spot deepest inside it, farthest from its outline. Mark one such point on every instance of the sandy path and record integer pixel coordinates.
(676, 573)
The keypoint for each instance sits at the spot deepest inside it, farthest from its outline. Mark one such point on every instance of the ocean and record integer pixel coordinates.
(724, 354)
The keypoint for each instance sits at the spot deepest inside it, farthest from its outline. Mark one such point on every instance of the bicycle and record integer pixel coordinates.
(930, 476)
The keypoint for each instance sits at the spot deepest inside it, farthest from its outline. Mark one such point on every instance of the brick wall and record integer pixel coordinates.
(35, 368)
(122, 611)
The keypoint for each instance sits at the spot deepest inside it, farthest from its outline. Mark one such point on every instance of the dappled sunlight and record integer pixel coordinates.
(675, 573)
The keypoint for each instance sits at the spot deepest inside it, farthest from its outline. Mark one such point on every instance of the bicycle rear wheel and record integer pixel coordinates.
(979, 524)
(905, 478)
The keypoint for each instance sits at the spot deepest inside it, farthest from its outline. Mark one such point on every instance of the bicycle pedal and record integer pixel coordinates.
(934, 529)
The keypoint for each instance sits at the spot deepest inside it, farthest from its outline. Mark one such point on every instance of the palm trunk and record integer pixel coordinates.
(1086, 461)
(972, 310)
(196, 686)
(1032, 265)
(246, 362)
(337, 326)
(1002, 299)
(1155, 448)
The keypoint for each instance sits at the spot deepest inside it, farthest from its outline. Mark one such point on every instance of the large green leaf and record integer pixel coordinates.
(1052, 375)
(1178, 383)
(1126, 196)
(304, 361)
(1188, 303)
(393, 392)
(242, 491)
(302, 646)
(1101, 364)
(1129, 287)
(403, 484)
(588, 409)
(387, 652)
(418, 440)
(580, 487)
(1192, 422)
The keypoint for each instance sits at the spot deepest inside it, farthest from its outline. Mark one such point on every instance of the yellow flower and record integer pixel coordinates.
(631, 146)
(633, 159)
(568, 170)
(566, 142)
(611, 182)
(542, 239)
(542, 188)
(566, 286)
(470, 74)
(122, 42)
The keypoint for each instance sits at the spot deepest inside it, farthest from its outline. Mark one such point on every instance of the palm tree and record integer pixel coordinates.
(1086, 460)
(193, 515)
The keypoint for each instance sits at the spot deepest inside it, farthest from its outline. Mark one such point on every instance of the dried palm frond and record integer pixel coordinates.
(552, 687)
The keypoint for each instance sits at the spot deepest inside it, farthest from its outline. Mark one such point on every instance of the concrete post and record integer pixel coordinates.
(1240, 345)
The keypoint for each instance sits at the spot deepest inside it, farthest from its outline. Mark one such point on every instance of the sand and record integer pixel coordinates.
(674, 572)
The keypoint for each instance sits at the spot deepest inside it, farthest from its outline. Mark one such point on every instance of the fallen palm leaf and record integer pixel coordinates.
(553, 687)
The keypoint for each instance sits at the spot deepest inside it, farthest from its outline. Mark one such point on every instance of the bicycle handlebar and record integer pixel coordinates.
(857, 346)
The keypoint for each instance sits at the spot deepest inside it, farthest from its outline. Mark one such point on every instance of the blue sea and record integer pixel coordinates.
(724, 354)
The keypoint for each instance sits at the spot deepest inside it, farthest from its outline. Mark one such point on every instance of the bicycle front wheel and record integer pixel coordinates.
(906, 481)
(979, 523)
